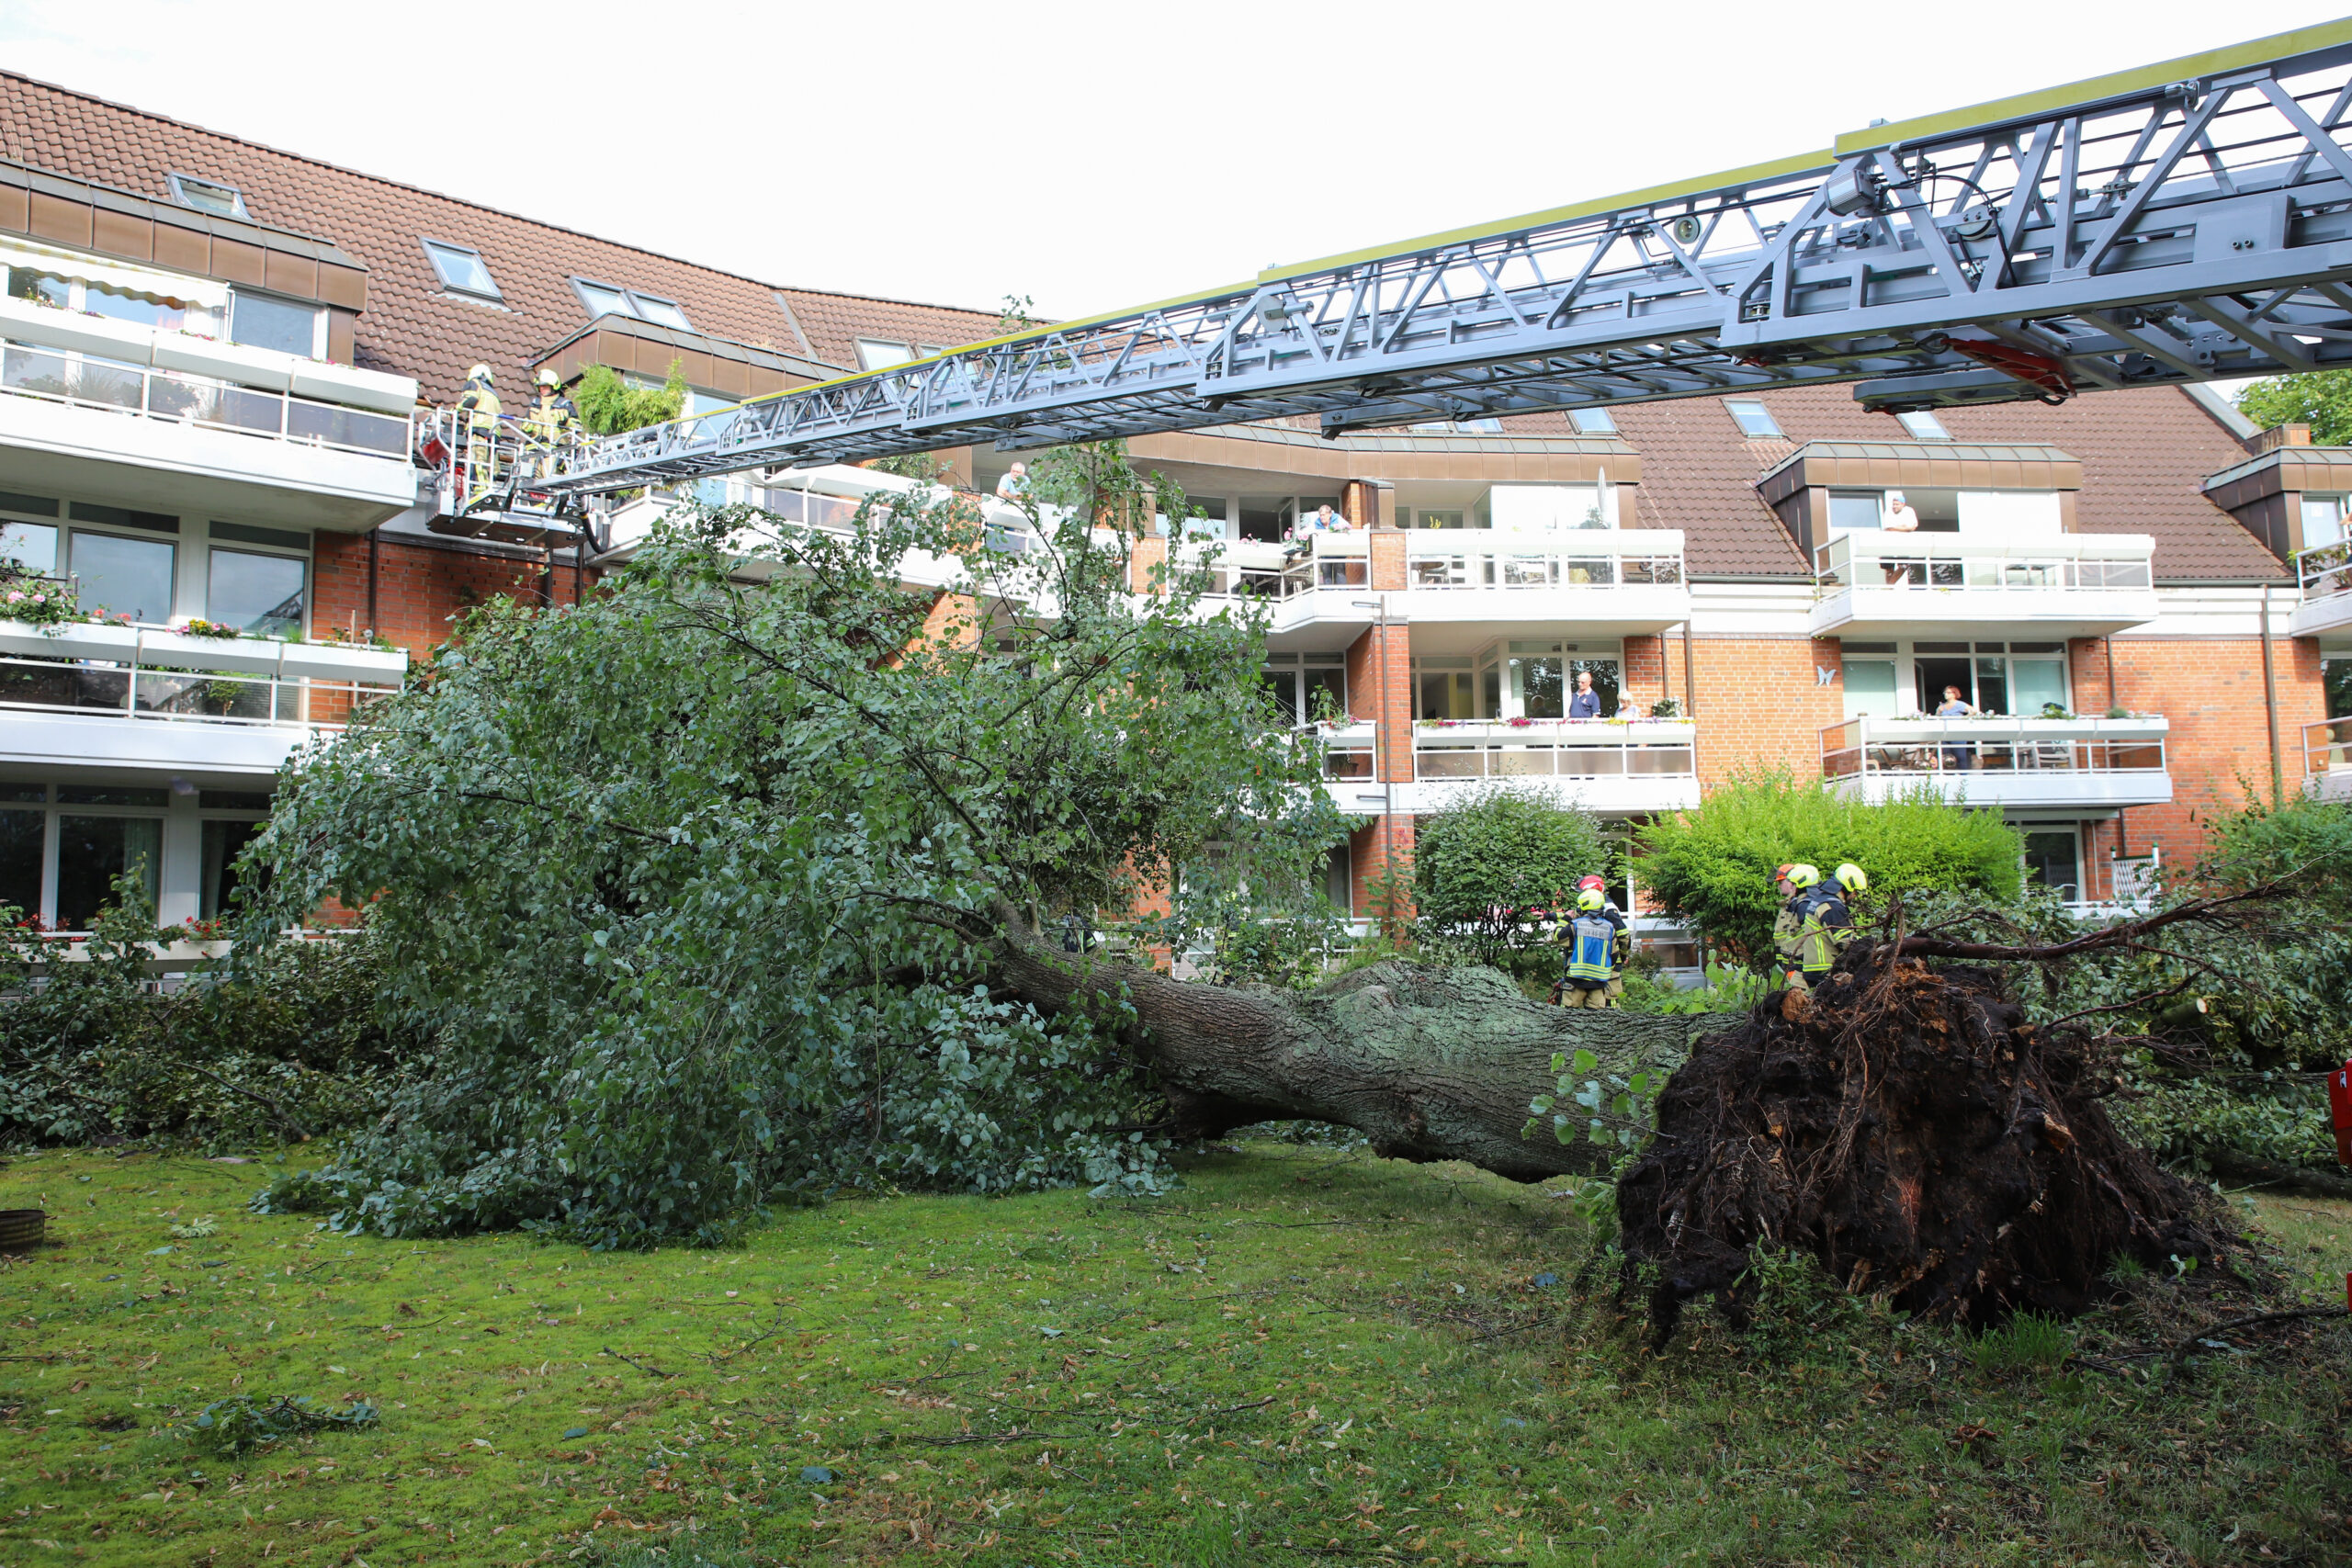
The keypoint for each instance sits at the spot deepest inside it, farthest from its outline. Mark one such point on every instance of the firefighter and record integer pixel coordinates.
(477, 414)
(1828, 923)
(1596, 947)
(1795, 882)
(552, 419)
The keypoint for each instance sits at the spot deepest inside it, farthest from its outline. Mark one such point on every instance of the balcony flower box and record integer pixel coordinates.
(262, 367)
(73, 639)
(101, 335)
(344, 661)
(183, 650)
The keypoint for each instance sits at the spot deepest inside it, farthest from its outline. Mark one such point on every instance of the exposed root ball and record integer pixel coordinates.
(1905, 1126)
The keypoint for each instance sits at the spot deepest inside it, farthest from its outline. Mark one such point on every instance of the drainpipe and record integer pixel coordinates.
(373, 624)
(2270, 705)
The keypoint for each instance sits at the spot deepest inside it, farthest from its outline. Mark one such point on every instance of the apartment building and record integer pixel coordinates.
(212, 354)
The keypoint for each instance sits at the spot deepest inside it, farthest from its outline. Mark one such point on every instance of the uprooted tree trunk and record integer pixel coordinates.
(1907, 1128)
(1428, 1064)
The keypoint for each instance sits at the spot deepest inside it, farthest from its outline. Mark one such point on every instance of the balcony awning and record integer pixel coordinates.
(204, 292)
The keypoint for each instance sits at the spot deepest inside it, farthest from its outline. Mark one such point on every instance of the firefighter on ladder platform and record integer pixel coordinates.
(551, 422)
(477, 437)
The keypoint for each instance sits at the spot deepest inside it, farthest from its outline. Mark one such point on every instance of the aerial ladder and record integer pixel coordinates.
(2180, 222)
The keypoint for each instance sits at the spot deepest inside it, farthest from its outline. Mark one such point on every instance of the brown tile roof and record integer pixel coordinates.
(2144, 454)
(412, 326)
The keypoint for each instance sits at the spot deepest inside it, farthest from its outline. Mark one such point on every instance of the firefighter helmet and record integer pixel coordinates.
(1591, 882)
(548, 377)
(481, 373)
(1590, 900)
(1801, 875)
(1851, 878)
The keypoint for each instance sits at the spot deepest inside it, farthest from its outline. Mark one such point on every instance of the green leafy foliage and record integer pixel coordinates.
(608, 404)
(240, 1424)
(692, 886)
(1490, 873)
(288, 1044)
(1618, 1108)
(1714, 866)
(2321, 399)
(1728, 990)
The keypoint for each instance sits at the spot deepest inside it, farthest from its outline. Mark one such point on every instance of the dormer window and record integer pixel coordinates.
(462, 270)
(207, 196)
(611, 300)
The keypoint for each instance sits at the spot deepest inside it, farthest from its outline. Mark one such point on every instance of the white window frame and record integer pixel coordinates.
(178, 185)
(633, 303)
(1733, 406)
(318, 317)
(875, 362)
(1607, 424)
(1935, 430)
(433, 248)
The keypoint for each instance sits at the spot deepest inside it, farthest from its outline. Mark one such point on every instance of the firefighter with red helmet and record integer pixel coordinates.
(1596, 942)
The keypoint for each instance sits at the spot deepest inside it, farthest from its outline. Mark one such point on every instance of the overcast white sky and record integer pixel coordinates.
(1089, 155)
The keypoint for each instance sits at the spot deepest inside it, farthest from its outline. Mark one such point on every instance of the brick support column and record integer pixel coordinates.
(1146, 557)
(1368, 503)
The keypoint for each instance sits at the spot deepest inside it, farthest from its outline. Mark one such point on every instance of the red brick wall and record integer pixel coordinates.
(418, 587)
(1761, 704)
(2210, 689)
(1371, 851)
(1391, 710)
(1644, 672)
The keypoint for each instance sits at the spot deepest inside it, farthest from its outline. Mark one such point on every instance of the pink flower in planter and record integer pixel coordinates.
(1522, 722)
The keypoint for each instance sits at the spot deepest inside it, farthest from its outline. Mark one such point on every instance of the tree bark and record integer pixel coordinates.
(1428, 1064)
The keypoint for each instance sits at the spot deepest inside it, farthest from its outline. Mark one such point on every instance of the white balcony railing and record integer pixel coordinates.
(2324, 590)
(1584, 557)
(76, 379)
(92, 670)
(2327, 758)
(1249, 569)
(1567, 749)
(1999, 759)
(1951, 563)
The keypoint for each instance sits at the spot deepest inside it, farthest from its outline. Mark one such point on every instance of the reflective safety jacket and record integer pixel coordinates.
(1825, 926)
(1592, 945)
(483, 404)
(551, 419)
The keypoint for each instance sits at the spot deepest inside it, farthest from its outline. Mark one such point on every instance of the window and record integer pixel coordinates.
(1854, 508)
(93, 851)
(102, 300)
(1921, 425)
(1756, 420)
(2050, 859)
(24, 838)
(40, 287)
(2323, 521)
(1593, 422)
(218, 883)
(610, 300)
(132, 576)
(1541, 675)
(32, 546)
(207, 196)
(260, 322)
(1869, 688)
(255, 593)
(875, 354)
(461, 269)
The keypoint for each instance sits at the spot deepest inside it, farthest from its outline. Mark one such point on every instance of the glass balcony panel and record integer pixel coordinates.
(1348, 766)
(173, 396)
(1527, 571)
(1450, 763)
(116, 385)
(1521, 761)
(242, 409)
(1591, 762)
(336, 426)
(1946, 575)
(34, 370)
(1654, 761)
(204, 697)
(1344, 573)
(2125, 757)
(1593, 571)
(38, 684)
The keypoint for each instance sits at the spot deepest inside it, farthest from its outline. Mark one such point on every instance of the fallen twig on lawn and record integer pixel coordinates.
(960, 1440)
(641, 1366)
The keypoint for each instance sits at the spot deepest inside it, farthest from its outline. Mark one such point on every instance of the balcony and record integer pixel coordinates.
(1601, 765)
(1609, 583)
(2094, 764)
(2323, 600)
(154, 418)
(1946, 585)
(151, 698)
(2327, 758)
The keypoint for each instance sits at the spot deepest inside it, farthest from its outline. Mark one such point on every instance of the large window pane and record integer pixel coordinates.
(255, 593)
(21, 833)
(92, 851)
(1852, 509)
(218, 883)
(2049, 860)
(133, 576)
(273, 323)
(2039, 683)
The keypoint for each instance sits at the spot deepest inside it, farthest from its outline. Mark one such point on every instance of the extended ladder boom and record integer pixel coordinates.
(2184, 222)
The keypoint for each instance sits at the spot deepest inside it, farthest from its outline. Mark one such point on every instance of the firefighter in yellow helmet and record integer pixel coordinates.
(477, 417)
(551, 418)
(1795, 882)
(1596, 945)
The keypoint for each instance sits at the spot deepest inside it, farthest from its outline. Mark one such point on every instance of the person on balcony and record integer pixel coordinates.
(1954, 705)
(1586, 702)
(1900, 519)
(1014, 485)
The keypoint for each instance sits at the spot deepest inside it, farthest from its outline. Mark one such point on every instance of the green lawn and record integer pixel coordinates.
(1303, 1357)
